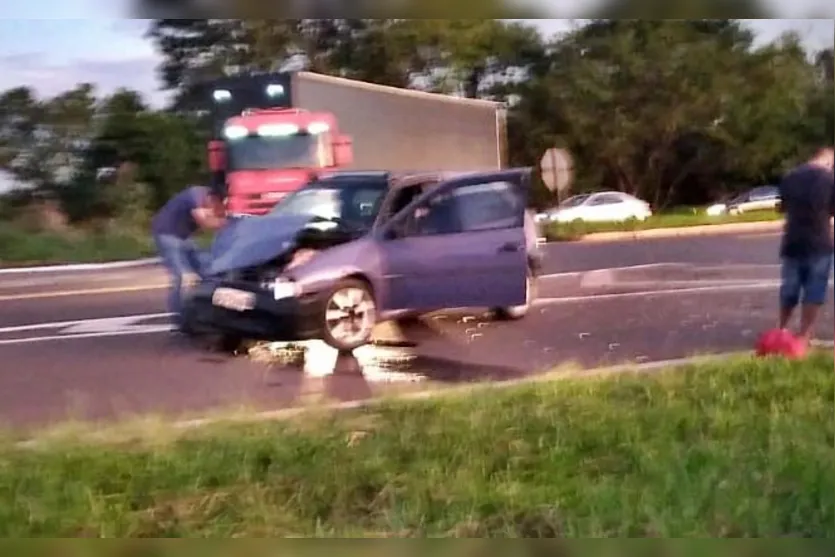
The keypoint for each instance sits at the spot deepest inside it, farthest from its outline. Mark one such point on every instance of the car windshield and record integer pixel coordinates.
(270, 153)
(573, 201)
(352, 203)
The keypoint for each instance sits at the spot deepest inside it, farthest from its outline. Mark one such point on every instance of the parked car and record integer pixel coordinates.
(352, 249)
(761, 198)
(598, 207)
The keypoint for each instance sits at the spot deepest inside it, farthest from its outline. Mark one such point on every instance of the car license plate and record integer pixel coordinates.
(236, 300)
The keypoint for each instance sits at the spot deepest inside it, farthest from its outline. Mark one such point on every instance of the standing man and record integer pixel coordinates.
(195, 208)
(808, 202)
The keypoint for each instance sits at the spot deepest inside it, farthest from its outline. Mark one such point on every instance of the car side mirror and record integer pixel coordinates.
(217, 155)
(343, 151)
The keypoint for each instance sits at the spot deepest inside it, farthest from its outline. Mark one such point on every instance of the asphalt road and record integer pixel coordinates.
(601, 304)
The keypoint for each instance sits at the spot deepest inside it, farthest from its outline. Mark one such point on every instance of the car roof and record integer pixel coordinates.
(392, 179)
(610, 192)
(403, 178)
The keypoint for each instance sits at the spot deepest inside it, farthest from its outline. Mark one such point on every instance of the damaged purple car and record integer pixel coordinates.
(350, 250)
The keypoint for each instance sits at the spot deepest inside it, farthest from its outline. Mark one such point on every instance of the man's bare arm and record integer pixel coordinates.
(209, 214)
(207, 218)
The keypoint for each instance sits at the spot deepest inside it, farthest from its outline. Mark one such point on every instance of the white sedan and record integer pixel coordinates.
(762, 198)
(607, 206)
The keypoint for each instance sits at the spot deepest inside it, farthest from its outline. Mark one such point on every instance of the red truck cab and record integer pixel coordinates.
(264, 147)
(273, 132)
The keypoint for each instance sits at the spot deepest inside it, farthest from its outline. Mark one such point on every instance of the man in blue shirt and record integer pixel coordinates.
(195, 208)
(807, 199)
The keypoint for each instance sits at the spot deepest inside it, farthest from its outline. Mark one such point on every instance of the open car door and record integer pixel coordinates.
(463, 244)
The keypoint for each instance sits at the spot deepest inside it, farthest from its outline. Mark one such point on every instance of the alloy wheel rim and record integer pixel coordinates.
(350, 315)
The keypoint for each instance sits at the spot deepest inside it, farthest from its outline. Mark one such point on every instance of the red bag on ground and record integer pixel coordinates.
(779, 342)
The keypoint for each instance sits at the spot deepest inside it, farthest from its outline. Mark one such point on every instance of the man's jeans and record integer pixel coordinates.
(805, 280)
(179, 257)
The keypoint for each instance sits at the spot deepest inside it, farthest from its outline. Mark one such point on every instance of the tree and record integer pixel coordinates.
(136, 160)
(43, 142)
(120, 138)
(197, 49)
(106, 185)
(825, 64)
(174, 155)
(774, 118)
(663, 109)
(450, 55)
(19, 115)
(467, 56)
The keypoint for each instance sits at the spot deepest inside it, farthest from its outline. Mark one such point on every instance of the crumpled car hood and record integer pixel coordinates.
(251, 241)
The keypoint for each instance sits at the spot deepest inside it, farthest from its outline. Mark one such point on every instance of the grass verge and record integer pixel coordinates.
(577, 230)
(735, 449)
(20, 247)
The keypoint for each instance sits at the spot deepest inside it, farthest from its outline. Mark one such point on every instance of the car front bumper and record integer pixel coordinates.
(289, 319)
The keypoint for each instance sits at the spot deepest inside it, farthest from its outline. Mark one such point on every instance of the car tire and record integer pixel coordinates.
(514, 313)
(350, 303)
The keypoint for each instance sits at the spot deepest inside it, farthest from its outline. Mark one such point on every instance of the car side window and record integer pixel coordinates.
(763, 193)
(400, 199)
(488, 206)
(606, 199)
(468, 208)
(437, 216)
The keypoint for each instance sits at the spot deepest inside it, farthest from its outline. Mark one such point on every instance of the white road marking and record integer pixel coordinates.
(627, 268)
(62, 324)
(110, 325)
(641, 293)
(26, 283)
(81, 267)
(58, 280)
(142, 331)
(129, 324)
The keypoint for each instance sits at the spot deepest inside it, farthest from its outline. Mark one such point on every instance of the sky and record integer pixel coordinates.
(54, 54)
(89, 41)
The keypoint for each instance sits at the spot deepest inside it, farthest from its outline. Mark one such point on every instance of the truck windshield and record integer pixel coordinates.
(271, 153)
(353, 204)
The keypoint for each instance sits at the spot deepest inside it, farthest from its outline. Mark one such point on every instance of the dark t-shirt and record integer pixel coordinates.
(807, 195)
(175, 218)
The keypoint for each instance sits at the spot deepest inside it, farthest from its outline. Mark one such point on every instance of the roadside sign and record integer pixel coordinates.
(557, 169)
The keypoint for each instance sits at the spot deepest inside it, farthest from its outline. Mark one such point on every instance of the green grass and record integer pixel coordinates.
(742, 448)
(678, 219)
(20, 247)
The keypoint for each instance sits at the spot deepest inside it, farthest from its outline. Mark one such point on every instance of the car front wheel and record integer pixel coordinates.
(350, 314)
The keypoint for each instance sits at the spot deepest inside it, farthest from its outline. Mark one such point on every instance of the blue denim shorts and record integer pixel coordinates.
(805, 280)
